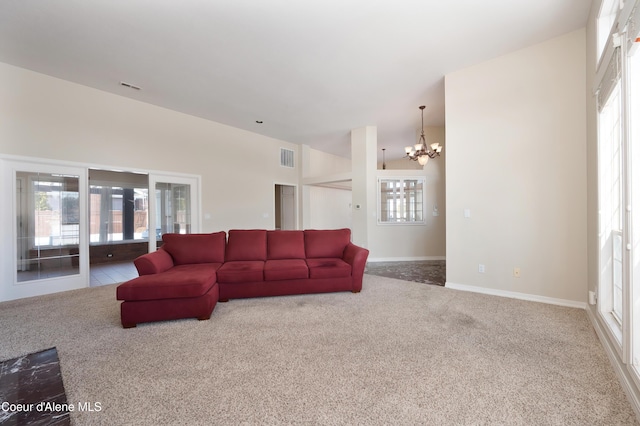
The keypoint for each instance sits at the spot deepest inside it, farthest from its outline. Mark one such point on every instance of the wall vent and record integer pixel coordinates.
(286, 157)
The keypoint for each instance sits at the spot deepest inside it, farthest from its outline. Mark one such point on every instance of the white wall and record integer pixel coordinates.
(516, 158)
(330, 208)
(46, 117)
(324, 164)
(325, 207)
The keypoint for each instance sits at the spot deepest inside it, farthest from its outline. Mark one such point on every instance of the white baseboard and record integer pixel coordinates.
(404, 259)
(516, 295)
(632, 392)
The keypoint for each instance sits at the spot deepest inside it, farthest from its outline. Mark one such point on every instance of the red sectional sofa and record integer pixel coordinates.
(190, 273)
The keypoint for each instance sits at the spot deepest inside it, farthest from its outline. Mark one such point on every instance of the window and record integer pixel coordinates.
(118, 206)
(118, 214)
(618, 103)
(401, 200)
(606, 20)
(612, 179)
(634, 143)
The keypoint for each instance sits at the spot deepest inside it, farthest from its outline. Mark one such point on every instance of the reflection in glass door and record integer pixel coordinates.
(48, 228)
(174, 207)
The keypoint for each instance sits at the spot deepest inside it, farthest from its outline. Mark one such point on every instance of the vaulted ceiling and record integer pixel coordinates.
(310, 70)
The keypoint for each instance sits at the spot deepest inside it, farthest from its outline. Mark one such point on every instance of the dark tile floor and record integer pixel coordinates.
(32, 392)
(423, 271)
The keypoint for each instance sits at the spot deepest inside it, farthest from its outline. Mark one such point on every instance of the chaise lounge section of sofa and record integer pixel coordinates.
(190, 273)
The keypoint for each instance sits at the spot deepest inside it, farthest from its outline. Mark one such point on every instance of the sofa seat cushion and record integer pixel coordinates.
(328, 268)
(240, 271)
(178, 282)
(285, 269)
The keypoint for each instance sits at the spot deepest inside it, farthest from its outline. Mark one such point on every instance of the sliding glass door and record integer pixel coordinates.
(45, 228)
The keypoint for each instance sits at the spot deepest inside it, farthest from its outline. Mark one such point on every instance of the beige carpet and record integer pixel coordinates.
(397, 353)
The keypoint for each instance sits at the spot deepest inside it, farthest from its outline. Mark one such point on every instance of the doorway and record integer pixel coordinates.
(285, 207)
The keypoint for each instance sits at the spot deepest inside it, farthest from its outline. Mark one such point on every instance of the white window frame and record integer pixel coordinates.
(605, 24)
(402, 213)
(623, 335)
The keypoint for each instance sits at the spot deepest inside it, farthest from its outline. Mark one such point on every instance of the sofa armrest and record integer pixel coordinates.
(356, 256)
(153, 263)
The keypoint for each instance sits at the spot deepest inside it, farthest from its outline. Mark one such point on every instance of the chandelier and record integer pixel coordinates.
(421, 152)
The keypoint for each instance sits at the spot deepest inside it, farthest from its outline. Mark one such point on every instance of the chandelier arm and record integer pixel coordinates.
(424, 149)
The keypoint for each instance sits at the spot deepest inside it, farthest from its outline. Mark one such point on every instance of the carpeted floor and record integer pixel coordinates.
(396, 353)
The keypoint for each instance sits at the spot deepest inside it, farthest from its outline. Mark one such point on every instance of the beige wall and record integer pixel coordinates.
(417, 242)
(45, 117)
(325, 207)
(592, 151)
(516, 158)
(325, 164)
(330, 208)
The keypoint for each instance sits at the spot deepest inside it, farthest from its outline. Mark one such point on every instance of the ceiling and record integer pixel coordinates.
(310, 70)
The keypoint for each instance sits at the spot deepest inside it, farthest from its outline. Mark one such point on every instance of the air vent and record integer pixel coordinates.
(286, 157)
(129, 85)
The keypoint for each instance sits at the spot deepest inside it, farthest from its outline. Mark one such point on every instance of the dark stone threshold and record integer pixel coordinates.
(32, 392)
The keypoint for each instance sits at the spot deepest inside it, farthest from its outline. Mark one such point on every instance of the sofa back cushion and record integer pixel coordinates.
(326, 243)
(195, 248)
(247, 244)
(285, 245)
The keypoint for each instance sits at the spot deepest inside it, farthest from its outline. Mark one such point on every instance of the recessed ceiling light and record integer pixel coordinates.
(259, 121)
(129, 85)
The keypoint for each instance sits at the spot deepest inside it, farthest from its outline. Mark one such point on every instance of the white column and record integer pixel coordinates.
(364, 145)
(304, 204)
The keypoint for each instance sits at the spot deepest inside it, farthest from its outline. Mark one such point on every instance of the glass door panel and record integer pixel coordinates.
(43, 240)
(175, 206)
(48, 225)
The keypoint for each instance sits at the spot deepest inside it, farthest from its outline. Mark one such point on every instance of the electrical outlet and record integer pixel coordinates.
(481, 268)
(516, 272)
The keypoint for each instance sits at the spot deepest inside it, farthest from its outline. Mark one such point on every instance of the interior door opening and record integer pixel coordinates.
(285, 207)
(118, 219)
